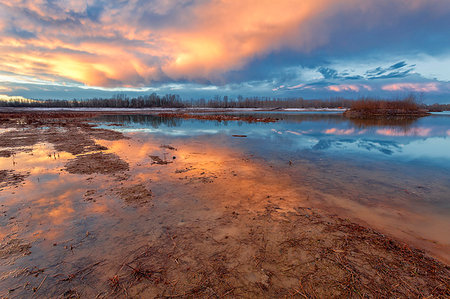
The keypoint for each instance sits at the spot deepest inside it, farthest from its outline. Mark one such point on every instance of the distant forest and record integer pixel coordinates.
(175, 101)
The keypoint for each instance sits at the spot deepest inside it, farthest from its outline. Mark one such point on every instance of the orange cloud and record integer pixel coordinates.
(417, 87)
(343, 87)
(229, 33)
(197, 41)
(348, 87)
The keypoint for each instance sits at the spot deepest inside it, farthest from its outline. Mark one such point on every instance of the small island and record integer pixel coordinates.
(371, 108)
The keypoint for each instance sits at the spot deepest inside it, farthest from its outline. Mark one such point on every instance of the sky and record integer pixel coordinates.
(200, 48)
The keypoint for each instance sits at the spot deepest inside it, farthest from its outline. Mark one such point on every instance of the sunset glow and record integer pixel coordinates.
(316, 48)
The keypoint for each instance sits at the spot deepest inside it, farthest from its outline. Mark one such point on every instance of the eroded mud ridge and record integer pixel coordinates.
(11, 178)
(67, 132)
(218, 117)
(160, 220)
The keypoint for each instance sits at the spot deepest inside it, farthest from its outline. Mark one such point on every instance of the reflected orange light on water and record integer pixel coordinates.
(335, 131)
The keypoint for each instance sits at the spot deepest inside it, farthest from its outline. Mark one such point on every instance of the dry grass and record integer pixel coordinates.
(368, 107)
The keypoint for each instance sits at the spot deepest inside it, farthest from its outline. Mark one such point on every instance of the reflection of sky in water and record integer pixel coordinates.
(426, 139)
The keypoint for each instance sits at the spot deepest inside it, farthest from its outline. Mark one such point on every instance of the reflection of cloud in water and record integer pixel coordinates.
(322, 145)
(423, 132)
(304, 131)
(336, 131)
(295, 133)
(278, 132)
(385, 147)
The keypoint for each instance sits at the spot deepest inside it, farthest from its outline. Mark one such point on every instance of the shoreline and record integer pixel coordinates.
(158, 110)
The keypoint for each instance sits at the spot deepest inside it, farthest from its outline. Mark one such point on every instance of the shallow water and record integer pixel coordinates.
(391, 176)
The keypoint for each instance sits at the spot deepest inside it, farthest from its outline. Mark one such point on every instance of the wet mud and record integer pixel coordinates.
(218, 117)
(96, 163)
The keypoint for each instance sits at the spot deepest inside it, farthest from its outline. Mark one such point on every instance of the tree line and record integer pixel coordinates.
(175, 101)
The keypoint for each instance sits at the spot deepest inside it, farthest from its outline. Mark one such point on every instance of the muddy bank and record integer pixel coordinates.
(11, 178)
(68, 132)
(219, 117)
(96, 163)
(135, 194)
(13, 249)
(277, 254)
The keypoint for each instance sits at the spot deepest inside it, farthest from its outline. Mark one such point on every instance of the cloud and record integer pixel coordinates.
(397, 70)
(328, 73)
(416, 87)
(140, 43)
(348, 87)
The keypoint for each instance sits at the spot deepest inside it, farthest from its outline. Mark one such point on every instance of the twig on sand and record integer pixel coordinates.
(144, 273)
(37, 289)
(73, 275)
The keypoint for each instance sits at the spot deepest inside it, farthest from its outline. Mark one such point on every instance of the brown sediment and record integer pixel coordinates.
(32, 117)
(72, 140)
(103, 134)
(11, 178)
(278, 254)
(219, 117)
(158, 160)
(96, 163)
(135, 194)
(168, 146)
(6, 153)
(68, 132)
(19, 138)
(13, 249)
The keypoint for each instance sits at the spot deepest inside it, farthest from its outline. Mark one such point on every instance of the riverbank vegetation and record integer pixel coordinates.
(175, 101)
(373, 108)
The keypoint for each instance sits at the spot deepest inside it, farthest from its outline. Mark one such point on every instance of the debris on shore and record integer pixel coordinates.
(219, 117)
(135, 194)
(158, 160)
(96, 163)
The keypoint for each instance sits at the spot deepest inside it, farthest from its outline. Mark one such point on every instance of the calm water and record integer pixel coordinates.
(420, 144)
